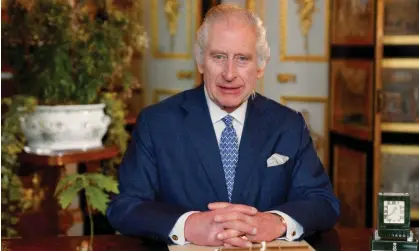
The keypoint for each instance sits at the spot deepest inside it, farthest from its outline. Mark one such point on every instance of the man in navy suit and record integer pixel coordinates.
(220, 164)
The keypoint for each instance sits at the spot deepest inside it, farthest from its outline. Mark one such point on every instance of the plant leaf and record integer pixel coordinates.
(67, 195)
(97, 198)
(105, 182)
(66, 181)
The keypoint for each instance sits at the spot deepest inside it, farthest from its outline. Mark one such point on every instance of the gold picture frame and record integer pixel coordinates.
(283, 33)
(400, 21)
(351, 98)
(155, 19)
(400, 172)
(320, 139)
(399, 95)
(161, 94)
(349, 182)
(353, 22)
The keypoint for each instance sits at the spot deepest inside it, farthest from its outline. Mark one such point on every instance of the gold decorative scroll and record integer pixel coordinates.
(305, 12)
(251, 5)
(171, 8)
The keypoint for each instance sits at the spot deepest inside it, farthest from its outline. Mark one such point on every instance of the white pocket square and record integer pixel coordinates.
(276, 159)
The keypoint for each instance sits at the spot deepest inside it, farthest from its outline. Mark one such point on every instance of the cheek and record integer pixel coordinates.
(249, 77)
(213, 71)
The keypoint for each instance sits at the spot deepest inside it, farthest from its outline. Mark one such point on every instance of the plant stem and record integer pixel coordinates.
(89, 211)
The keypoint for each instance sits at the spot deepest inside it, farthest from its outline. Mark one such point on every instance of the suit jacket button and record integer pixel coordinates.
(293, 233)
(174, 237)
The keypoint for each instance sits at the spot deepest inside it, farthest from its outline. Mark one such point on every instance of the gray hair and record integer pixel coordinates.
(223, 10)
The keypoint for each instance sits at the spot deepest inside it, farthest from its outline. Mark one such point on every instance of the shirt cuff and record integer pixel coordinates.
(294, 229)
(177, 235)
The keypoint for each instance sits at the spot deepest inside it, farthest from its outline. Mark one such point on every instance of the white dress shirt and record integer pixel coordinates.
(177, 235)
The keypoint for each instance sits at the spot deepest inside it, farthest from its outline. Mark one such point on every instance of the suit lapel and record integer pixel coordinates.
(253, 137)
(198, 126)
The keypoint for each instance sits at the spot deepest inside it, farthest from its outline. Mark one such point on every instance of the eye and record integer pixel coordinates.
(242, 58)
(219, 57)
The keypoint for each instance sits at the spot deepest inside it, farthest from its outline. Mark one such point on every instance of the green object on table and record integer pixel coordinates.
(393, 232)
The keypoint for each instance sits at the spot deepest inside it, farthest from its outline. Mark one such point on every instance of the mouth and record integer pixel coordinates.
(230, 89)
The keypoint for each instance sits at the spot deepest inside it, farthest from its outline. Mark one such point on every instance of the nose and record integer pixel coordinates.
(230, 71)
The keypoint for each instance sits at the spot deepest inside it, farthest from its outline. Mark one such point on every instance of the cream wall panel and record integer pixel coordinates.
(168, 55)
(309, 93)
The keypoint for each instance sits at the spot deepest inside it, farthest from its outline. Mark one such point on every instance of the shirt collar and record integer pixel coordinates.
(217, 113)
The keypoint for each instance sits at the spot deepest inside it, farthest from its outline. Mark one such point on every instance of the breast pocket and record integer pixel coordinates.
(275, 183)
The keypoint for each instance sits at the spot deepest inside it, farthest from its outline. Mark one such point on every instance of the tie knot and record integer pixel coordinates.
(228, 120)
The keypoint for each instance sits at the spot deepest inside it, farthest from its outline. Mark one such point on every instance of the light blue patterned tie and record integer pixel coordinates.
(229, 149)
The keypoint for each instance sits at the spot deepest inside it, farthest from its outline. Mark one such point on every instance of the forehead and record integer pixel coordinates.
(232, 34)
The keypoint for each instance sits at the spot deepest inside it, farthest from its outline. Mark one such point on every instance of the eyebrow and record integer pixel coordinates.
(215, 52)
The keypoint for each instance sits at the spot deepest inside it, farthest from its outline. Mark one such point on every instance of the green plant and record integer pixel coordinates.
(95, 185)
(66, 52)
(12, 142)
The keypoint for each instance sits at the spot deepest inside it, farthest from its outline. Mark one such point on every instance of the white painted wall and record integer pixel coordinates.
(160, 71)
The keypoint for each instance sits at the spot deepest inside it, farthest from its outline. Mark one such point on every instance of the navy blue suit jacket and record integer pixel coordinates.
(173, 165)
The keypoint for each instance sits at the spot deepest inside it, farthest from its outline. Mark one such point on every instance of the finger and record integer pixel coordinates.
(234, 215)
(227, 245)
(234, 207)
(218, 205)
(240, 226)
(238, 242)
(228, 233)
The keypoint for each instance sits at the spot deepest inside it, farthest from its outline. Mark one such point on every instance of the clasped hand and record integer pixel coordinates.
(228, 224)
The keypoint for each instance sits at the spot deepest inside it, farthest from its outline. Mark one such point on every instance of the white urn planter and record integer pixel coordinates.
(65, 127)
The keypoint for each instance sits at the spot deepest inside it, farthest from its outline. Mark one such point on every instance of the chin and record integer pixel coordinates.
(231, 105)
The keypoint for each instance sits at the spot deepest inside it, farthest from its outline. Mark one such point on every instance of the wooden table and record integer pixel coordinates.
(48, 218)
(334, 240)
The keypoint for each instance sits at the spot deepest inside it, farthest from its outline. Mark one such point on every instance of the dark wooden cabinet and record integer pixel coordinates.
(374, 105)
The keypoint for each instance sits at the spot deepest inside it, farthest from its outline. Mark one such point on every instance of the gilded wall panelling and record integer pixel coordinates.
(171, 13)
(306, 13)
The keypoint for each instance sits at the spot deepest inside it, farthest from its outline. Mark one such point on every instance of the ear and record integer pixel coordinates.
(200, 66)
(261, 71)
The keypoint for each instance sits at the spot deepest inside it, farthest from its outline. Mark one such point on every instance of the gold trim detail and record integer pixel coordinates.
(400, 127)
(400, 149)
(284, 78)
(171, 9)
(412, 39)
(155, 32)
(283, 10)
(184, 75)
(377, 121)
(400, 63)
(158, 92)
(251, 5)
(322, 100)
(306, 10)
